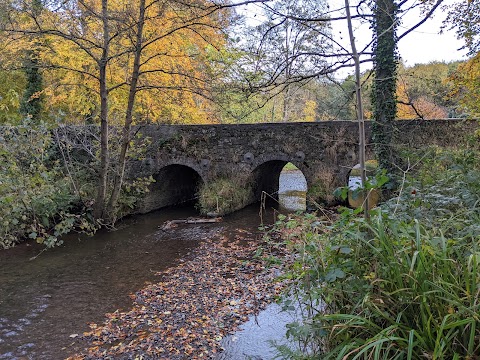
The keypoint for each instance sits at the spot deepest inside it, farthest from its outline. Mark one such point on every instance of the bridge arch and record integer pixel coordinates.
(175, 183)
(266, 171)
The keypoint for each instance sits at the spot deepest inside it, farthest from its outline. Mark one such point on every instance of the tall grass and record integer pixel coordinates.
(223, 196)
(405, 285)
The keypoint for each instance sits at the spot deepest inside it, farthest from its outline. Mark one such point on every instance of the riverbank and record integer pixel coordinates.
(194, 306)
(403, 284)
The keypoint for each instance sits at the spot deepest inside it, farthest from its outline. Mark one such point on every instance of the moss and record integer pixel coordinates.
(319, 192)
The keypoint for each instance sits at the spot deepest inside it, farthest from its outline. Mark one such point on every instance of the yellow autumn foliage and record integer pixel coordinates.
(309, 112)
(173, 67)
(467, 85)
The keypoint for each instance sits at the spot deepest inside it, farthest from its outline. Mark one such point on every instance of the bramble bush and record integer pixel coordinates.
(403, 285)
(36, 197)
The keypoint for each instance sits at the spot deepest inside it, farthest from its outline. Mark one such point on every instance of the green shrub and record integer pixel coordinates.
(36, 198)
(406, 284)
(223, 196)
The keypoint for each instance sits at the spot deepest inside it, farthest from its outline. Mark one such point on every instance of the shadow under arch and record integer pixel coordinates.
(174, 184)
(266, 178)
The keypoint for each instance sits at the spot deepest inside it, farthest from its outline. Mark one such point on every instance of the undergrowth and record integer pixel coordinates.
(404, 285)
(36, 196)
(223, 196)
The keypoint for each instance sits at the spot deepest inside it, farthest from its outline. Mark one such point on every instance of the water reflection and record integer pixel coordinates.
(292, 191)
(259, 337)
(43, 302)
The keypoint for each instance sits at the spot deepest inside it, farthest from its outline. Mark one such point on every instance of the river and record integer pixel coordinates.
(46, 300)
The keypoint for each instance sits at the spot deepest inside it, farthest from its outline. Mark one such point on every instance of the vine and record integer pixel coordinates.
(384, 87)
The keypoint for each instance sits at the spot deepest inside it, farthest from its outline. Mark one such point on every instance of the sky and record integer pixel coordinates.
(426, 44)
(423, 45)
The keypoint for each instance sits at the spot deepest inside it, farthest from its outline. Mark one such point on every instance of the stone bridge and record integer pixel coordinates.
(181, 158)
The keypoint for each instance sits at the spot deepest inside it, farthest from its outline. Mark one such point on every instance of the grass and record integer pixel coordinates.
(404, 285)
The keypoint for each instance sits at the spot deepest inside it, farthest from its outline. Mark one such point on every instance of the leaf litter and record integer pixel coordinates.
(194, 306)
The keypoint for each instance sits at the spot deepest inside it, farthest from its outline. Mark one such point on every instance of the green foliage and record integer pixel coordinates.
(224, 195)
(12, 84)
(36, 199)
(31, 104)
(132, 191)
(405, 285)
(384, 100)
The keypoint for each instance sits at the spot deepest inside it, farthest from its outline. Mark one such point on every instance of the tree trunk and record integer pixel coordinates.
(286, 91)
(361, 123)
(385, 82)
(117, 185)
(99, 207)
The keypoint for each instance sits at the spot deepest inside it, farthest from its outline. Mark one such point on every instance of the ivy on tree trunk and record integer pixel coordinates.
(385, 82)
(31, 104)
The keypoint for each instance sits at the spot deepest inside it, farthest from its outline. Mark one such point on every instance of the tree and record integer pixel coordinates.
(320, 61)
(361, 123)
(146, 45)
(31, 103)
(335, 101)
(465, 18)
(274, 62)
(418, 107)
(423, 91)
(286, 46)
(384, 88)
(466, 88)
(12, 84)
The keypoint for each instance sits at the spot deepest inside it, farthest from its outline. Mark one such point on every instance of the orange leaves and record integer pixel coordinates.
(419, 105)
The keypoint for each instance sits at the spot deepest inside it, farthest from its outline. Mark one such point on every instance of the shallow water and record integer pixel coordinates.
(257, 339)
(45, 302)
